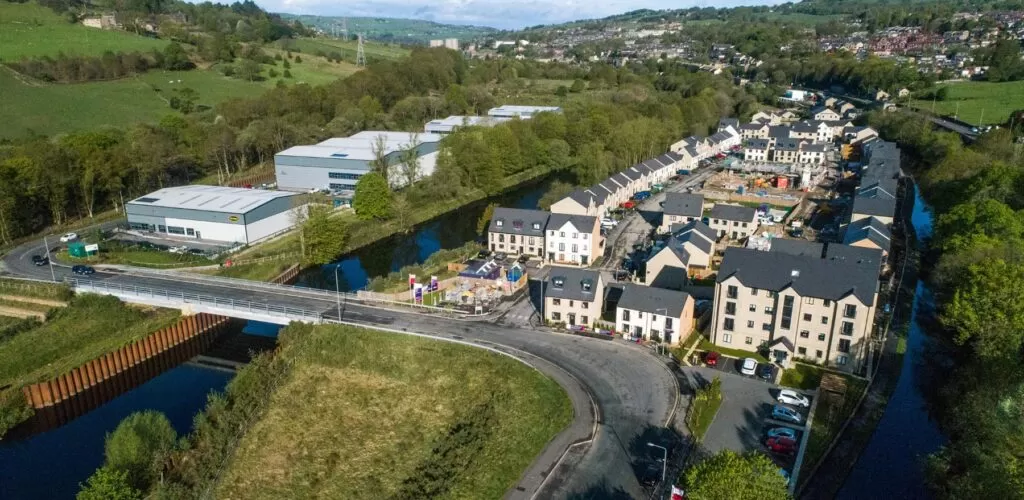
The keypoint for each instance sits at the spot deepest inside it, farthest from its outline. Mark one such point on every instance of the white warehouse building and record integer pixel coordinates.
(337, 164)
(214, 213)
(445, 126)
(521, 112)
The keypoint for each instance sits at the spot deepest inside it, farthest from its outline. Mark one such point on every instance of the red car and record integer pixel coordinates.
(781, 445)
(628, 205)
(711, 358)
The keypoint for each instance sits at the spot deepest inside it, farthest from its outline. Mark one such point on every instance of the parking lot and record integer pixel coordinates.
(745, 416)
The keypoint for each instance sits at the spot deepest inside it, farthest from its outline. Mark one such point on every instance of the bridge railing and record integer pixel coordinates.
(175, 296)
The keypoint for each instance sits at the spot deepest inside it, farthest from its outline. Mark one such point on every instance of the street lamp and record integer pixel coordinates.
(49, 261)
(661, 338)
(337, 288)
(664, 460)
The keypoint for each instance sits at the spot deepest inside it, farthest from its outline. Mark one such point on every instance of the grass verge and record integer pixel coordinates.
(39, 290)
(829, 416)
(261, 271)
(802, 376)
(365, 414)
(704, 407)
(706, 345)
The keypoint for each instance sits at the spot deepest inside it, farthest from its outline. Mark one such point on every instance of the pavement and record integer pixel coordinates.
(621, 393)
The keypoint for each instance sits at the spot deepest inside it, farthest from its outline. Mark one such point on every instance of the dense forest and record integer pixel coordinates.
(977, 269)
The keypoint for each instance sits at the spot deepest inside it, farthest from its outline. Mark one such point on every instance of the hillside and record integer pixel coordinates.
(406, 31)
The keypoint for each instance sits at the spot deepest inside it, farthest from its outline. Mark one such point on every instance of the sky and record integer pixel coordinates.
(503, 14)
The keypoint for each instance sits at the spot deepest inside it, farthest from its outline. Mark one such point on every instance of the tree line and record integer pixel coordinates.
(977, 270)
(109, 66)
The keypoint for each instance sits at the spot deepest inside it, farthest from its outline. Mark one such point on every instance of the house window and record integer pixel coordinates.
(841, 359)
(818, 353)
(532, 241)
(730, 308)
(824, 320)
(575, 235)
(726, 338)
(828, 303)
(501, 238)
(536, 226)
(844, 345)
(189, 231)
(807, 317)
(511, 238)
(753, 291)
(556, 316)
(847, 328)
(821, 337)
(744, 224)
(750, 324)
(732, 292)
(556, 302)
(805, 334)
(729, 324)
(809, 300)
(562, 234)
(801, 351)
(175, 230)
(850, 311)
(749, 340)
(668, 323)
(583, 319)
(561, 247)
(552, 234)
(625, 315)
(766, 327)
(584, 305)
(499, 223)
(572, 303)
(575, 248)
(767, 309)
(753, 307)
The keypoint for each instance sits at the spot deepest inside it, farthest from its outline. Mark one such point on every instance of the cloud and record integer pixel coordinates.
(495, 13)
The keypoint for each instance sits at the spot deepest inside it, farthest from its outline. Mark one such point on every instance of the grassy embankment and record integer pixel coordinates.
(116, 252)
(704, 407)
(366, 414)
(993, 100)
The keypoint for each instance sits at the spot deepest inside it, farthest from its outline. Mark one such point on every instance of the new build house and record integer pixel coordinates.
(687, 253)
(654, 314)
(517, 231)
(680, 208)
(796, 306)
(573, 239)
(573, 296)
(735, 221)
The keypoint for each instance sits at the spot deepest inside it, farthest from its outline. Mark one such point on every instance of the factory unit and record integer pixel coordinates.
(521, 112)
(214, 213)
(337, 164)
(445, 126)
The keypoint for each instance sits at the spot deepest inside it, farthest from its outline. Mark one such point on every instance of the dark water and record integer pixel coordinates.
(891, 465)
(451, 230)
(52, 464)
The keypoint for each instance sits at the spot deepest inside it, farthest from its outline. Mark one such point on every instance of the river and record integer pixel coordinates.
(891, 465)
(450, 230)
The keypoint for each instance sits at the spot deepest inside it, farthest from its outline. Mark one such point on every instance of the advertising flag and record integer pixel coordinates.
(418, 291)
(412, 280)
(433, 283)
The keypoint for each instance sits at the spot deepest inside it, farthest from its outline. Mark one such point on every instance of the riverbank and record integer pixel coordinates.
(827, 479)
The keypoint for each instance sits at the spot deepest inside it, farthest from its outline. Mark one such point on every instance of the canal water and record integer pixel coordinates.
(51, 465)
(450, 230)
(892, 463)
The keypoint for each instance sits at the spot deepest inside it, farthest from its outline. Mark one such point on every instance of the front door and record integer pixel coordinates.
(572, 319)
(551, 256)
(521, 250)
(638, 331)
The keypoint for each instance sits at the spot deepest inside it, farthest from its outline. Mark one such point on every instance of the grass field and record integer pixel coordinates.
(21, 288)
(54, 108)
(313, 70)
(347, 49)
(979, 102)
(29, 30)
(91, 326)
(367, 414)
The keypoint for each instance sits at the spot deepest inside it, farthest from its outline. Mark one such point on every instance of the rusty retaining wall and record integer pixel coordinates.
(288, 275)
(75, 393)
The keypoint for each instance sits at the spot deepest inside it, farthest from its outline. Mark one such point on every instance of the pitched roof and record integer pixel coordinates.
(779, 131)
(877, 189)
(797, 247)
(621, 179)
(788, 145)
(572, 283)
(600, 193)
(692, 151)
(688, 204)
(805, 127)
(582, 223)
(729, 122)
(582, 197)
(519, 221)
(881, 207)
(653, 300)
(815, 148)
(808, 276)
(733, 212)
(870, 258)
(633, 173)
(695, 233)
(758, 144)
(752, 126)
(671, 277)
(868, 228)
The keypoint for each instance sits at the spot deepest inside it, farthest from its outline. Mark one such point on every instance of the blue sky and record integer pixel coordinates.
(495, 13)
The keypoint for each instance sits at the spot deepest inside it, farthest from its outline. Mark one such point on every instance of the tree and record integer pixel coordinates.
(287, 74)
(555, 192)
(381, 164)
(728, 475)
(372, 199)
(322, 235)
(108, 484)
(409, 160)
(286, 64)
(577, 86)
(138, 445)
(175, 58)
(249, 70)
(985, 309)
(298, 59)
(485, 218)
(187, 98)
(562, 91)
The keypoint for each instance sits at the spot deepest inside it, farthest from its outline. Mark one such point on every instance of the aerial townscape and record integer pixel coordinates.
(471, 250)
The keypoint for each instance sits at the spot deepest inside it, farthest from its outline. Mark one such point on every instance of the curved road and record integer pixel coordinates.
(635, 394)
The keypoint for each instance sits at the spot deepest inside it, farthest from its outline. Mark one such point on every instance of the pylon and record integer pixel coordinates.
(360, 54)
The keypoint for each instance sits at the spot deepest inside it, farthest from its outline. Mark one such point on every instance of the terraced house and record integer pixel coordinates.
(573, 296)
(573, 239)
(517, 231)
(680, 208)
(734, 221)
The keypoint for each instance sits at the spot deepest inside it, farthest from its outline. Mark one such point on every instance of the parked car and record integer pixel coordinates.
(791, 397)
(483, 254)
(66, 237)
(786, 414)
(83, 270)
(628, 205)
(40, 260)
(195, 251)
(711, 358)
(642, 195)
(607, 221)
(749, 366)
(777, 432)
(500, 256)
(181, 249)
(766, 372)
(782, 446)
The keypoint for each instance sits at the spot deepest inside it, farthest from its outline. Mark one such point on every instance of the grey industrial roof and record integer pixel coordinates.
(797, 247)
(519, 221)
(733, 212)
(653, 300)
(808, 276)
(572, 280)
(881, 207)
(759, 144)
(870, 258)
(684, 204)
(583, 223)
(210, 198)
(868, 228)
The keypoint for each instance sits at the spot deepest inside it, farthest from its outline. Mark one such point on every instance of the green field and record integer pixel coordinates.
(313, 70)
(368, 414)
(29, 30)
(978, 102)
(54, 108)
(348, 48)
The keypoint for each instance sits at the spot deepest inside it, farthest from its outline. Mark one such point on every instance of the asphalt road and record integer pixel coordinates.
(633, 391)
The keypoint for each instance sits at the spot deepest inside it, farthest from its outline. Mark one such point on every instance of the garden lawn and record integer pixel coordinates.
(89, 327)
(706, 345)
(30, 30)
(802, 376)
(367, 414)
(980, 103)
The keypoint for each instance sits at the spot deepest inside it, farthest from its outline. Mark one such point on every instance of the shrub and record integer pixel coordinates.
(138, 445)
(108, 484)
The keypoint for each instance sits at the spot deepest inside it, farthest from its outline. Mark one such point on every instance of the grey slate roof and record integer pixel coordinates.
(788, 145)
(815, 148)
(668, 159)
(610, 185)
(600, 194)
(797, 247)
(582, 197)
(622, 179)
(696, 233)
(670, 277)
(733, 213)
(692, 151)
(752, 126)
(805, 127)
(758, 144)
(673, 156)
(572, 281)
(878, 189)
(869, 258)
(719, 137)
(729, 122)
(653, 300)
(879, 207)
(818, 109)
(633, 173)
(778, 131)
(519, 221)
(653, 165)
(688, 204)
(870, 229)
(808, 276)
(583, 223)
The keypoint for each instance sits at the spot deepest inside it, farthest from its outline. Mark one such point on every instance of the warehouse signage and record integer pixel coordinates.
(233, 218)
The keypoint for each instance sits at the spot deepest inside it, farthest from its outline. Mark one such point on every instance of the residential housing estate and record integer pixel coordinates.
(572, 296)
(654, 314)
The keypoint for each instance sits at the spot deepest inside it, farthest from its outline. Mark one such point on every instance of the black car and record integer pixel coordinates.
(83, 270)
(766, 372)
(40, 260)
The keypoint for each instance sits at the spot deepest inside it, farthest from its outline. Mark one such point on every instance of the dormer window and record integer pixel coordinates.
(558, 281)
(517, 224)
(536, 226)
(586, 285)
(795, 273)
(499, 223)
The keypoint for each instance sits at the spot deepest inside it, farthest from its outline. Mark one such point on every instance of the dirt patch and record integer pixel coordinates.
(34, 300)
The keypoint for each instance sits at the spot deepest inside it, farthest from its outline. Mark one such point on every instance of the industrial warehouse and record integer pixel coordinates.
(336, 164)
(214, 213)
